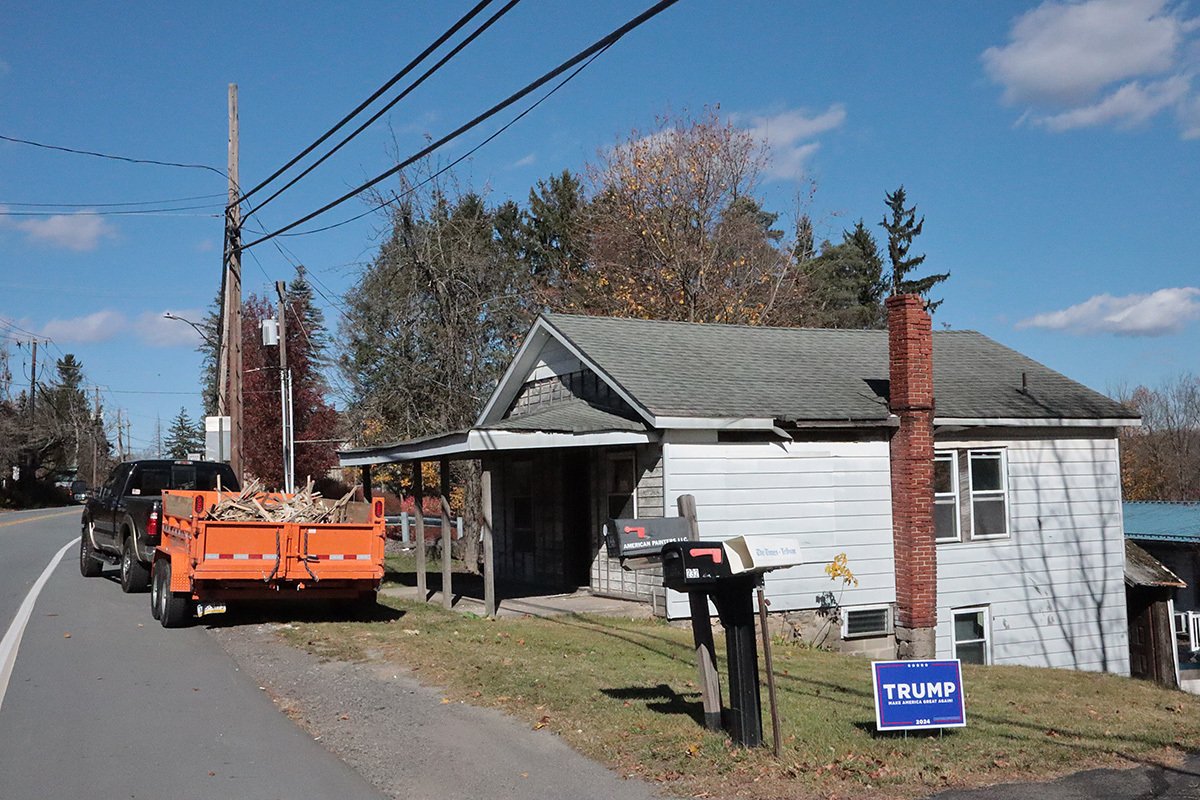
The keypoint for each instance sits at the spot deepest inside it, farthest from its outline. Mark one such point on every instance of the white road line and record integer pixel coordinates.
(12, 639)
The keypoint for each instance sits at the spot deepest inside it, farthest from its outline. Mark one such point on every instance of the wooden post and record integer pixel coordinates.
(418, 482)
(233, 289)
(702, 635)
(447, 537)
(485, 534)
(770, 664)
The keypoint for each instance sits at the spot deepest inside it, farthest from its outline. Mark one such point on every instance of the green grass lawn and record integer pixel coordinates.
(624, 693)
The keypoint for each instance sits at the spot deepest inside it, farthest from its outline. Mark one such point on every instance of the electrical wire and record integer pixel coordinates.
(111, 157)
(453, 29)
(4, 203)
(391, 103)
(395, 198)
(583, 55)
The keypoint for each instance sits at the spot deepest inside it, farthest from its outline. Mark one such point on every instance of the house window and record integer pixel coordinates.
(621, 486)
(970, 495)
(521, 492)
(860, 622)
(972, 635)
(945, 496)
(989, 494)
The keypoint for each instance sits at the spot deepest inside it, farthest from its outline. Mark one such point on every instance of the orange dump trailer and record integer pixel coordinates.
(201, 564)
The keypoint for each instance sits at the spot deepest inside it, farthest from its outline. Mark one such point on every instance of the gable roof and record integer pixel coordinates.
(680, 369)
(572, 416)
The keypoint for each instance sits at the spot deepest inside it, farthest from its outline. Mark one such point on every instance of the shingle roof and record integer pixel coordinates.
(1143, 569)
(803, 374)
(1162, 521)
(575, 416)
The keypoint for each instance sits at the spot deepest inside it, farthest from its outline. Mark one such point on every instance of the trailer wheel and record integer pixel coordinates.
(174, 608)
(156, 588)
(134, 575)
(89, 565)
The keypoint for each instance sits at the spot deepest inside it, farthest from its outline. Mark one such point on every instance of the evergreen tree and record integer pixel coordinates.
(184, 436)
(902, 229)
(847, 281)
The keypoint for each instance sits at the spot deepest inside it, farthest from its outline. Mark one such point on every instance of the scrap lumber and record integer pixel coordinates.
(254, 504)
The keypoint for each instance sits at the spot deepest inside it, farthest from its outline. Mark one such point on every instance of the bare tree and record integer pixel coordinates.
(1161, 459)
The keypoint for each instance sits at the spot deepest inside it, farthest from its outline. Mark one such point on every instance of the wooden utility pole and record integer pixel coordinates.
(120, 441)
(232, 330)
(33, 381)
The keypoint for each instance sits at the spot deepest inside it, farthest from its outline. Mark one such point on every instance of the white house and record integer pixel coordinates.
(975, 492)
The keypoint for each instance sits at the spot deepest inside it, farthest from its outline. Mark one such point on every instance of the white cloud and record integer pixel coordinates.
(1157, 314)
(790, 135)
(99, 326)
(1128, 106)
(528, 160)
(82, 231)
(1098, 62)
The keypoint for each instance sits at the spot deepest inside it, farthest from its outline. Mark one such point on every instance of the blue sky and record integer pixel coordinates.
(1053, 149)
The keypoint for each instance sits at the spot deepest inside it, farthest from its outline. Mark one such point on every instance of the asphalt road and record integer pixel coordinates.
(104, 703)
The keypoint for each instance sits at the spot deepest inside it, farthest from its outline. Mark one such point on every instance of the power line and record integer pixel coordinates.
(375, 96)
(395, 198)
(408, 90)
(5, 203)
(598, 46)
(112, 157)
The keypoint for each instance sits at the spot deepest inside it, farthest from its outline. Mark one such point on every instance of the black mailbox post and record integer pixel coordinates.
(703, 567)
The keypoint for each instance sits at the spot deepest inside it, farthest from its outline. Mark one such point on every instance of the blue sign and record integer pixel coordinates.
(911, 695)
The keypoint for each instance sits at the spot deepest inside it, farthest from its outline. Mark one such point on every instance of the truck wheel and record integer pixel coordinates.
(89, 565)
(134, 575)
(156, 589)
(174, 608)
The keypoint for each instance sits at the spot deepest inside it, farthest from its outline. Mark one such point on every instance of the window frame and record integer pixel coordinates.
(611, 458)
(1002, 492)
(888, 622)
(956, 491)
(987, 630)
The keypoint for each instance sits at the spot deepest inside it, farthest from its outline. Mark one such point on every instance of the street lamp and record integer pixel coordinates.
(197, 328)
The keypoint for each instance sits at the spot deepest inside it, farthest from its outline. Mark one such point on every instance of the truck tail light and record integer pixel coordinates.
(378, 508)
(198, 505)
(152, 524)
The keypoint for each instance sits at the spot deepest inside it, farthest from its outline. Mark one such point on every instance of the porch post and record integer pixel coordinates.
(444, 474)
(419, 529)
(485, 534)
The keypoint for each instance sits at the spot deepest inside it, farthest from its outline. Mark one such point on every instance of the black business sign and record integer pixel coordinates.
(635, 538)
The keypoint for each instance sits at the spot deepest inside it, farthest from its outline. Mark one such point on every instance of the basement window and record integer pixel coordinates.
(972, 635)
(862, 622)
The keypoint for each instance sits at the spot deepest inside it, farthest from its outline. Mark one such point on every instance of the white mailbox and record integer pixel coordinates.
(762, 553)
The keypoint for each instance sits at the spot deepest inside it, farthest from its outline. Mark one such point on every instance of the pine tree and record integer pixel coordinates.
(902, 229)
(184, 437)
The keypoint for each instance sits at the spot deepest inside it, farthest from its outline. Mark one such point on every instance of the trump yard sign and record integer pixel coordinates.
(911, 695)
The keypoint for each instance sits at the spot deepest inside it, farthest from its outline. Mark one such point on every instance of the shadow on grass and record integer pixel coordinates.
(668, 700)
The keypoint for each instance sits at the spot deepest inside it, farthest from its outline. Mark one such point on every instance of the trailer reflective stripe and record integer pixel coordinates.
(239, 556)
(342, 557)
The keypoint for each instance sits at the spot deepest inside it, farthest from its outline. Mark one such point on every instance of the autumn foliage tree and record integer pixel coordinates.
(314, 418)
(674, 230)
(1160, 460)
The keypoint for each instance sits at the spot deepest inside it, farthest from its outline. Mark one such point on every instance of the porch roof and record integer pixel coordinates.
(571, 424)
(1143, 569)
(1162, 521)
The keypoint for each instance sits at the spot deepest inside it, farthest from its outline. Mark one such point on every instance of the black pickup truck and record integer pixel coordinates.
(121, 522)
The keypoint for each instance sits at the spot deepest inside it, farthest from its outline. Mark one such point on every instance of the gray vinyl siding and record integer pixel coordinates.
(1055, 588)
(835, 495)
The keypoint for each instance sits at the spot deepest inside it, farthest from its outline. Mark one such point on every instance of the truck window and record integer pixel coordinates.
(151, 479)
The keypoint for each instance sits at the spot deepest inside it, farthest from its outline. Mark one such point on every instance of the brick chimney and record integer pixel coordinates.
(910, 367)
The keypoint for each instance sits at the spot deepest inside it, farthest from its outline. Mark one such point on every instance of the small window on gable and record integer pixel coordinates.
(862, 622)
(945, 496)
(989, 494)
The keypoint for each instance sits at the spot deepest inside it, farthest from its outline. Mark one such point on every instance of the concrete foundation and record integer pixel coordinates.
(918, 643)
